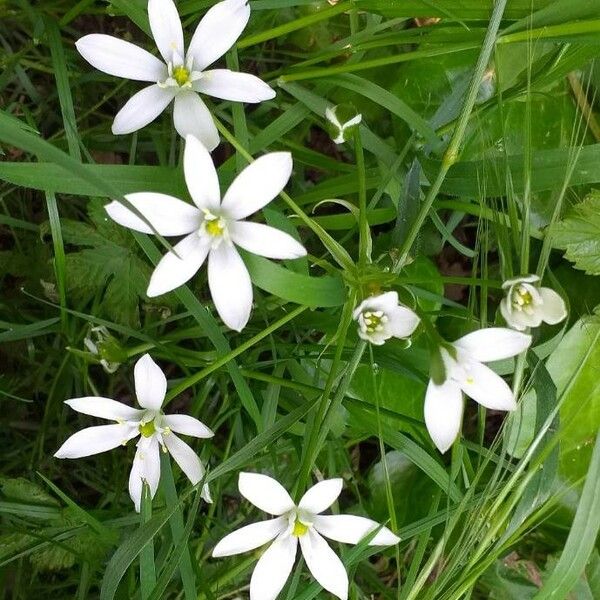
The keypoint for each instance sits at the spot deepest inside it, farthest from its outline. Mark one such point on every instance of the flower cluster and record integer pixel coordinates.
(214, 229)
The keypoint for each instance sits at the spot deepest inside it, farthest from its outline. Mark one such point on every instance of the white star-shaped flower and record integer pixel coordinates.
(525, 305)
(155, 430)
(213, 228)
(465, 372)
(182, 75)
(303, 523)
(382, 317)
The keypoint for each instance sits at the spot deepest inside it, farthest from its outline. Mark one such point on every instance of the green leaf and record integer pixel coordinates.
(579, 235)
(581, 539)
(283, 283)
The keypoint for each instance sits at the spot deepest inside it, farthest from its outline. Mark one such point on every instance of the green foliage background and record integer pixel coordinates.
(473, 172)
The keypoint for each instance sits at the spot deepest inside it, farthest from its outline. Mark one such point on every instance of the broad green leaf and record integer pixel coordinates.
(582, 537)
(573, 367)
(294, 287)
(579, 235)
(127, 178)
(549, 166)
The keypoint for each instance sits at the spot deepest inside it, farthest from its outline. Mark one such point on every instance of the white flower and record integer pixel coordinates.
(155, 429)
(465, 372)
(182, 75)
(382, 317)
(303, 523)
(527, 306)
(343, 121)
(213, 228)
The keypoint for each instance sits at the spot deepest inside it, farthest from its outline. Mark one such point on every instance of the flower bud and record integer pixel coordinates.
(342, 122)
(106, 348)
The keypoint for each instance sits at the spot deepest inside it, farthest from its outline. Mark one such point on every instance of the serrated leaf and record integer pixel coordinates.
(579, 235)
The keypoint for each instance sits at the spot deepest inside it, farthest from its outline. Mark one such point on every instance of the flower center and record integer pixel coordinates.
(181, 75)
(374, 321)
(215, 227)
(300, 529)
(522, 298)
(147, 429)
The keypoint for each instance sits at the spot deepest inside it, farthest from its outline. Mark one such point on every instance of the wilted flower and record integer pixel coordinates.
(105, 348)
(343, 120)
(155, 430)
(213, 228)
(526, 305)
(382, 317)
(465, 372)
(303, 523)
(182, 76)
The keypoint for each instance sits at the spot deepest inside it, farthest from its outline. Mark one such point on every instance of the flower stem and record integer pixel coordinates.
(147, 566)
(365, 243)
(315, 430)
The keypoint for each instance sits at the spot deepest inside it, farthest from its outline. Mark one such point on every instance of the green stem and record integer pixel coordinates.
(311, 448)
(365, 244)
(452, 152)
(147, 566)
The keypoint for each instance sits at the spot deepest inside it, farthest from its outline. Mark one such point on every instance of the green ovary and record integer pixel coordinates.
(300, 529)
(181, 75)
(147, 429)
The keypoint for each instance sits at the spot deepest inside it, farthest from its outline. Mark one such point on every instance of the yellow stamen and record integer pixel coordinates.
(214, 227)
(181, 75)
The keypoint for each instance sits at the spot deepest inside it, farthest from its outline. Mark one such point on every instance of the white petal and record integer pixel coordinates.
(443, 413)
(321, 495)
(105, 408)
(265, 492)
(94, 440)
(230, 286)
(185, 457)
(218, 30)
(150, 383)
(486, 387)
(166, 28)
(554, 309)
(120, 58)
(521, 279)
(230, 85)
(174, 270)
(187, 426)
(168, 215)
(402, 321)
(250, 537)
(386, 302)
(200, 175)
(324, 564)
(258, 184)
(493, 343)
(192, 117)
(264, 240)
(517, 319)
(350, 529)
(142, 108)
(146, 467)
(273, 568)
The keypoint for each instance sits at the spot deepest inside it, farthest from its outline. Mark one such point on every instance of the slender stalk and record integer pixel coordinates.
(311, 448)
(364, 245)
(147, 566)
(452, 152)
